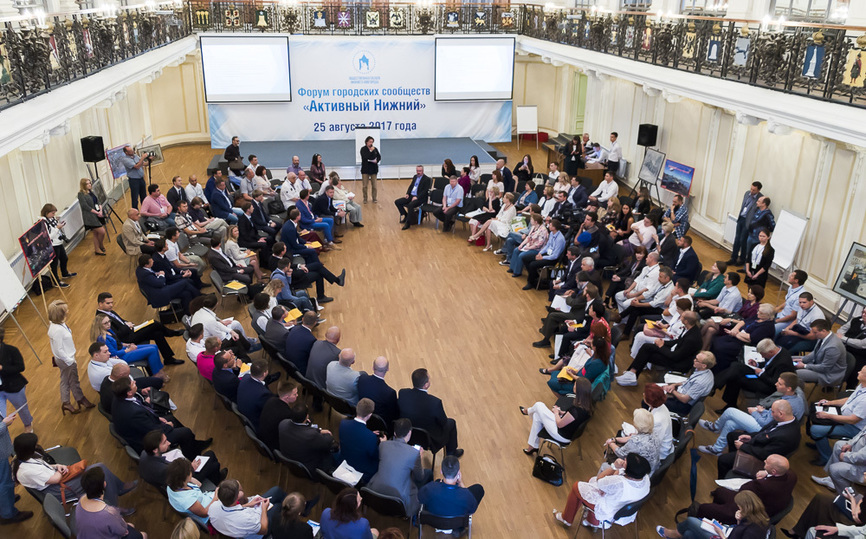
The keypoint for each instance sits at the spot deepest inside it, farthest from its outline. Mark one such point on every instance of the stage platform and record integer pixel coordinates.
(399, 156)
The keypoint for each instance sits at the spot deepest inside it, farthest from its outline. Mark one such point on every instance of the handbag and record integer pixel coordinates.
(72, 471)
(276, 206)
(747, 465)
(814, 420)
(159, 401)
(549, 470)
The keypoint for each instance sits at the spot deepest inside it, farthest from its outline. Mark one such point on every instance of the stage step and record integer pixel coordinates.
(493, 152)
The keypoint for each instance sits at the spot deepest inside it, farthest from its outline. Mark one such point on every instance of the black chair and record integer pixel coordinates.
(426, 518)
(331, 483)
(521, 186)
(484, 178)
(387, 506)
(54, 511)
(695, 414)
(102, 411)
(295, 468)
(430, 207)
(225, 400)
(310, 387)
(615, 335)
(243, 419)
(174, 304)
(291, 370)
(662, 470)
(341, 406)
(224, 292)
(477, 188)
(376, 423)
(130, 452)
(259, 331)
(422, 438)
(626, 511)
(775, 519)
(260, 445)
(133, 260)
(546, 438)
(440, 183)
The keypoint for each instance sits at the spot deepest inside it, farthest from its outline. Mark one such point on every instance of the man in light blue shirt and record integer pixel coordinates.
(547, 255)
(728, 301)
(134, 165)
(788, 310)
(452, 201)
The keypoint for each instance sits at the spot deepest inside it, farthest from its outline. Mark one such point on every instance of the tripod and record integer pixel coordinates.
(641, 183)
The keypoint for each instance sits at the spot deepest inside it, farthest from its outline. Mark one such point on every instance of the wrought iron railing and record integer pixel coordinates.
(38, 55)
(818, 61)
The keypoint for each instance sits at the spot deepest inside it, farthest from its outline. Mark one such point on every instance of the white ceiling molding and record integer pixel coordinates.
(651, 91)
(832, 120)
(32, 120)
(776, 128)
(60, 130)
(671, 97)
(745, 119)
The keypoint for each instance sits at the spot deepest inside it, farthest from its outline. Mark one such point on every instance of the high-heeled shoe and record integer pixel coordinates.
(84, 403)
(487, 248)
(67, 407)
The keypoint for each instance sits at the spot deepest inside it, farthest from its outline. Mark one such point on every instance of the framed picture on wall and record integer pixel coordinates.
(851, 282)
(677, 178)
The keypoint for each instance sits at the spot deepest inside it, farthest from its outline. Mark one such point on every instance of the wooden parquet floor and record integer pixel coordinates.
(420, 298)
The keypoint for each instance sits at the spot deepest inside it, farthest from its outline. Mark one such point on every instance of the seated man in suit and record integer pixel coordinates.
(828, 362)
(262, 219)
(153, 463)
(737, 377)
(675, 354)
(415, 197)
(304, 275)
(579, 301)
(126, 332)
(172, 273)
(773, 485)
(687, 263)
(253, 392)
(277, 329)
(426, 411)
(313, 447)
(248, 232)
(118, 371)
(133, 417)
(323, 206)
(221, 202)
(547, 255)
(360, 445)
(225, 379)
(340, 380)
(276, 409)
(157, 290)
(755, 417)
(853, 335)
(375, 388)
(561, 287)
(846, 465)
(781, 436)
(228, 270)
(449, 497)
(321, 353)
(300, 341)
(400, 471)
(134, 239)
(848, 423)
(296, 246)
(176, 193)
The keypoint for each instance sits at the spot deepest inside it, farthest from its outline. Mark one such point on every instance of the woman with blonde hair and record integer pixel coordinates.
(563, 183)
(341, 194)
(91, 214)
(608, 214)
(186, 529)
(100, 331)
(643, 441)
(501, 226)
(490, 210)
(63, 350)
(240, 256)
(273, 289)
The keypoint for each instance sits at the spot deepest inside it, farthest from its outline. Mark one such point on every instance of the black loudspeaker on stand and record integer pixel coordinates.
(92, 149)
(647, 135)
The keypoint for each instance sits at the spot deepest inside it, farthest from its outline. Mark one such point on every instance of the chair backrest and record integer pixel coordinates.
(775, 519)
(683, 444)
(260, 445)
(385, 505)
(849, 368)
(119, 240)
(331, 483)
(436, 196)
(102, 411)
(601, 384)
(695, 413)
(182, 241)
(296, 468)
(246, 422)
(421, 438)
(521, 186)
(116, 436)
(443, 523)
(484, 178)
(660, 472)
(700, 270)
(217, 281)
(632, 508)
(440, 183)
(615, 335)
(376, 423)
(341, 406)
(55, 513)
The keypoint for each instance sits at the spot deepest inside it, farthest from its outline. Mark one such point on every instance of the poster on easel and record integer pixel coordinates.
(851, 282)
(37, 248)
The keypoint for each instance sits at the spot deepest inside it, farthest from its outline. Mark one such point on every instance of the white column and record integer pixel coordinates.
(748, 9)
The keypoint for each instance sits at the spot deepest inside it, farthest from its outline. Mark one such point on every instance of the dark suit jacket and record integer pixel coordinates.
(260, 216)
(273, 413)
(158, 291)
(252, 396)
(783, 440)
(774, 491)
(688, 346)
(132, 422)
(570, 280)
(299, 342)
(119, 327)
(11, 379)
(360, 447)
(226, 382)
(668, 250)
(423, 188)
(324, 206)
(248, 237)
(306, 445)
(294, 243)
(275, 335)
(152, 469)
(322, 353)
(781, 363)
(580, 197)
(687, 267)
(226, 269)
(106, 396)
(424, 411)
(377, 390)
(161, 263)
(508, 180)
(220, 206)
(173, 197)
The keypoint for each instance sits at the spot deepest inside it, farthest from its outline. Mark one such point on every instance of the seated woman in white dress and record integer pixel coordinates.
(662, 330)
(501, 225)
(240, 256)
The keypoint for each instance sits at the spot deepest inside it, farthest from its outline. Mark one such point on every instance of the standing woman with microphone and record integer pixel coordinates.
(370, 158)
(55, 232)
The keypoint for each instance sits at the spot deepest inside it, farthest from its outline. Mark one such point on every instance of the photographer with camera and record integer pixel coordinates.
(134, 165)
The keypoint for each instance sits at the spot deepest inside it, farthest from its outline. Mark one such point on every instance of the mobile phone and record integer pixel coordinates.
(849, 491)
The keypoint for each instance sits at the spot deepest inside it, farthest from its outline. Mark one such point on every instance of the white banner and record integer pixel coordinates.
(339, 83)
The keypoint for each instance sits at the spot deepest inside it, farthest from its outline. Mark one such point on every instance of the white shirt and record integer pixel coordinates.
(792, 302)
(757, 253)
(97, 371)
(35, 473)
(663, 430)
(552, 177)
(213, 327)
(547, 206)
(805, 318)
(615, 153)
(193, 349)
(290, 192)
(193, 191)
(173, 251)
(236, 521)
(605, 190)
(62, 345)
(648, 278)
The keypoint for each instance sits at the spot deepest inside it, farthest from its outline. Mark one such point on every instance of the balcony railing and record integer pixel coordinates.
(818, 61)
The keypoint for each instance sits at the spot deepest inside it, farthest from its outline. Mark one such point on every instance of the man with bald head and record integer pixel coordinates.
(295, 167)
(779, 436)
(134, 239)
(321, 354)
(341, 380)
(118, 371)
(507, 176)
(374, 387)
(773, 485)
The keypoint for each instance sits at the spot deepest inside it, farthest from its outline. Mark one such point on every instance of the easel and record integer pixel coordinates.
(38, 277)
(842, 309)
(21, 329)
(643, 183)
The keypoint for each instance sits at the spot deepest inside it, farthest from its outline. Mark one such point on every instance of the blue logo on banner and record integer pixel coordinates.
(364, 61)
